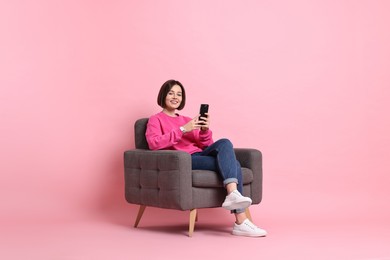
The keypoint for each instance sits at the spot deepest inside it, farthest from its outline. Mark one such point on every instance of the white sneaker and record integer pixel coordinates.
(236, 201)
(247, 228)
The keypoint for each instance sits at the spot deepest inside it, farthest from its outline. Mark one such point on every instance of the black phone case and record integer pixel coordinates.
(204, 108)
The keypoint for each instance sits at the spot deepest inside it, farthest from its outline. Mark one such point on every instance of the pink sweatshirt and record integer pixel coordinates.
(163, 132)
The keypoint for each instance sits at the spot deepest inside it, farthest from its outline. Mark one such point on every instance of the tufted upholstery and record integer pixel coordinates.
(165, 179)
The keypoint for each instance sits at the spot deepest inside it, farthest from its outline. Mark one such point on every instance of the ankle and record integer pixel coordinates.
(240, 218)
(230, 191)
(230, 187)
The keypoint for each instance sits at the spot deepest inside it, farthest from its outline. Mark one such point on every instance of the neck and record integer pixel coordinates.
(169, 112)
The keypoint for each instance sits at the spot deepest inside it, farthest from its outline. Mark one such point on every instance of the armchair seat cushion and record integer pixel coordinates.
(211, 179)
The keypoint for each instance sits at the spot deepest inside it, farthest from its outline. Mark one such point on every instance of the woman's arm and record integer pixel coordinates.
(157, 139)
(205, 138)
(205, 135)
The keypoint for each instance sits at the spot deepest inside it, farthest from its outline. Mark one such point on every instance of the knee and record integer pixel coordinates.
(225, 143)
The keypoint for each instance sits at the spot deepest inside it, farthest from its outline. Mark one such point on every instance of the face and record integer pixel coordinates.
(173, 98)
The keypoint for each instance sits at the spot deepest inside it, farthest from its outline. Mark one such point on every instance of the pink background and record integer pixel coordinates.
(306, 82)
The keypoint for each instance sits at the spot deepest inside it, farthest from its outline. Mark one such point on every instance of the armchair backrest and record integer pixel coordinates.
(139, 134)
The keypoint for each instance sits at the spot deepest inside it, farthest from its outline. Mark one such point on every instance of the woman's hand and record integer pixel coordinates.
(195, 123)
(205, 123)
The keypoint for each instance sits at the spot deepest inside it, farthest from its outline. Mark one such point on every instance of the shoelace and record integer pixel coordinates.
(253, 227)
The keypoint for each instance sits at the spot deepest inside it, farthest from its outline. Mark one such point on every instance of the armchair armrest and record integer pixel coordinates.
(158, 178)
(252, 159)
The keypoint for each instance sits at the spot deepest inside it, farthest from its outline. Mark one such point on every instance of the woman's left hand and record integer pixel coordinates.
(205, 122)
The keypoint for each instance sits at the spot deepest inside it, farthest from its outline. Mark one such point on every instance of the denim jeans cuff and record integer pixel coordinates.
(237, 211)
(229, 180)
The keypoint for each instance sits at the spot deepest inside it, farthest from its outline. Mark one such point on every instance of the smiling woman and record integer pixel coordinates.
(171, 131)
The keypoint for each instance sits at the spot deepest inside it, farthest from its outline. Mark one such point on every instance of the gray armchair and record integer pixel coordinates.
(164, 179)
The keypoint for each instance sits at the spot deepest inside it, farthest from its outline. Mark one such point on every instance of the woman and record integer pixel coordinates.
(169, 130)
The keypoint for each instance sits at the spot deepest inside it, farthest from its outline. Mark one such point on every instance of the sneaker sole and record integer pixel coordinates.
(237, 205)
(239, 233)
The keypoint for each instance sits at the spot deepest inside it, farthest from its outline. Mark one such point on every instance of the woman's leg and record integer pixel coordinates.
(220, 157)
(226, 163)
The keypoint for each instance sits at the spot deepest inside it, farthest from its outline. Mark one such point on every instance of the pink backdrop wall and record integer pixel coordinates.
(305, 82)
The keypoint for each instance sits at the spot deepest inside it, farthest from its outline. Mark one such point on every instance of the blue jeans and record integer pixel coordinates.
(220, 157)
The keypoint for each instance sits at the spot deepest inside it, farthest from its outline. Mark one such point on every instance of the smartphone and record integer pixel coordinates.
(204, 108)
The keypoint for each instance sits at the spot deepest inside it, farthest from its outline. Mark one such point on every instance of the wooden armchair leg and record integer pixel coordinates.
(248, 214)
(139, 215)
(193, 217)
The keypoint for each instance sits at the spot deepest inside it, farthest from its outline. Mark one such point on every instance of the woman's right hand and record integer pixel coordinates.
(193, 124)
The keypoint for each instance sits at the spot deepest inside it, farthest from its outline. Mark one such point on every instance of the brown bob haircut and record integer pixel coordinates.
(164, 90)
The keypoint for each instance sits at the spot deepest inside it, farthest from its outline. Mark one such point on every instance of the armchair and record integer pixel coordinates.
(164, 179)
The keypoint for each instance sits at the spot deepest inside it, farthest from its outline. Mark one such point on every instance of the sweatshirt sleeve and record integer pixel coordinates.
(205, 138)
(157, 139)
